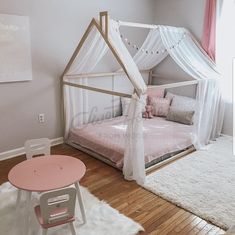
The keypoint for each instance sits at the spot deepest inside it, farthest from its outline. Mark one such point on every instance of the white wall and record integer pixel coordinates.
(56, 27)
(189, 14)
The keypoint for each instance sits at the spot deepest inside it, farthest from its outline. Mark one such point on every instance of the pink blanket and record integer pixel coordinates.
(108, 138)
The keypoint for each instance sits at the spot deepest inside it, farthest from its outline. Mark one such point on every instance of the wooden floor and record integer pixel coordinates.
(155, 214)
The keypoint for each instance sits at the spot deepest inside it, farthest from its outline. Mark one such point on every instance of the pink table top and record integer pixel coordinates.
(47, 173)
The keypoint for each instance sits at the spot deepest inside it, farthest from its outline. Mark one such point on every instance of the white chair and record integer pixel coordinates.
(56, 207)
(35, 147)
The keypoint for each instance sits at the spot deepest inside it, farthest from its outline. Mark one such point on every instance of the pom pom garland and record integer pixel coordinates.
(129, 43)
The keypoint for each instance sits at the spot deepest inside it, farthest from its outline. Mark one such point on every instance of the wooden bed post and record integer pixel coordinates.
(150, 77)
(104, 23)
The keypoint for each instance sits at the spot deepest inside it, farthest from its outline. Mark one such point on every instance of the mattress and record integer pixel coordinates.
(107, 138)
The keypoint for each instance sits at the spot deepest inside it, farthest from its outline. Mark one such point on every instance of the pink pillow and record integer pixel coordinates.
(155, 92)
(160, 106)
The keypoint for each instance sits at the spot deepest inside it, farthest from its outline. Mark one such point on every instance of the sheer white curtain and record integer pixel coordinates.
(76, 100)
(190, 57)
(153, 43)
(134, 164)
(133, 71)
(225, 52)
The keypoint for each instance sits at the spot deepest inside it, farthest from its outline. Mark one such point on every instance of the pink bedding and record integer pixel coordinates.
(108, 138)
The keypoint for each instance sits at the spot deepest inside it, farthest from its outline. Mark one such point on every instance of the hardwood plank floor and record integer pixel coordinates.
(158, 216)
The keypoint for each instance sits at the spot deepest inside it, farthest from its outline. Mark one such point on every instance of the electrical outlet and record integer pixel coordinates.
(41, 118)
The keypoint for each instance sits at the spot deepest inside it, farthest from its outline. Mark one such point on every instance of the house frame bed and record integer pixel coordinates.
(103, 28)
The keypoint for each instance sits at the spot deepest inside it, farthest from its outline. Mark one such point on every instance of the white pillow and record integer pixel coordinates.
(126, 102)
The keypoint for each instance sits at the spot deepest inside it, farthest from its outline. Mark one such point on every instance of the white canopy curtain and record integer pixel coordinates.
(76, 100)
(153, 42)
(188, 54)
(134, 163)
(190, 57)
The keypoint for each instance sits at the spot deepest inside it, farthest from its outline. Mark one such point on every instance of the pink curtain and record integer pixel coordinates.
(209, 31)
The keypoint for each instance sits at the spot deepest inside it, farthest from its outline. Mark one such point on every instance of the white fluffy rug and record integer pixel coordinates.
(202, 182)
(101, 218)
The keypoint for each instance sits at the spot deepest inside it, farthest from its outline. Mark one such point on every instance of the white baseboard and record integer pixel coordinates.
(20, 151)
(57, 141)
(226, 135)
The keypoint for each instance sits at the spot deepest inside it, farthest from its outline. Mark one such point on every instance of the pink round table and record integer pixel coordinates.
(46, 173)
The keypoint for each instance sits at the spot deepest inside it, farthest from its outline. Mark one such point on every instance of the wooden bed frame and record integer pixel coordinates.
(102, 27)
(148, 170)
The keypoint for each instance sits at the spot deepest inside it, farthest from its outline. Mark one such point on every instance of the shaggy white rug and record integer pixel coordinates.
(101, 218)
(202, 182)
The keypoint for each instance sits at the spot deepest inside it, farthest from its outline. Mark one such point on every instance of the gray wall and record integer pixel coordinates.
(56, 27)
(189, 14)
(182, 13)
(178, 13)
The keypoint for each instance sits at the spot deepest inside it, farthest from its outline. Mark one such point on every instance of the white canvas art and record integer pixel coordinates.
(15, 49)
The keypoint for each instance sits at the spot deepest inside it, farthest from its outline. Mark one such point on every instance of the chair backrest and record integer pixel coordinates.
(37, 147)
(58, 205)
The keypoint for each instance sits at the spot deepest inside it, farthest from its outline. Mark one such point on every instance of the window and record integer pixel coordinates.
(225, 45)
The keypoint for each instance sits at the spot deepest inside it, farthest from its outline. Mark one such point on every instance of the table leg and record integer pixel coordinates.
(80, 200)
(27, 215)
(19, 193)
